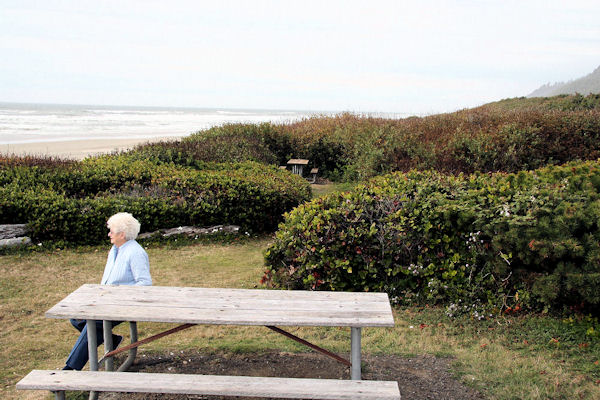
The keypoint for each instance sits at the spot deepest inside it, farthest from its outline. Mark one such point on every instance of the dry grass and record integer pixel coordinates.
(31, 284)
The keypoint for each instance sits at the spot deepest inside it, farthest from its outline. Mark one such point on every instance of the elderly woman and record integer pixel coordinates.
(127, 264)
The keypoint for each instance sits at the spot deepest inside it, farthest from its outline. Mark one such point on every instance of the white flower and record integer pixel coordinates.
(505, 212)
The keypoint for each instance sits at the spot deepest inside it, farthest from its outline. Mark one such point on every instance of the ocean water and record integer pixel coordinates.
(30, 123)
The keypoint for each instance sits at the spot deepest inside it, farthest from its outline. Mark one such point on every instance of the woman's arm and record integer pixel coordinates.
(140, 268)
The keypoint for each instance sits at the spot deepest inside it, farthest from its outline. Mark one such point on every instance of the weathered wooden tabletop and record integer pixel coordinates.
(225, 306)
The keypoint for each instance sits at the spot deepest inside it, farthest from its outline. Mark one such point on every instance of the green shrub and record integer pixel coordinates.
(509, 136)
(229, 143)
(71, 204)
(470, 153)
(477, 242)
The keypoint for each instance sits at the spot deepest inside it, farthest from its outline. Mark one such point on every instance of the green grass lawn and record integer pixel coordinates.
(522, 357)
(323, 189)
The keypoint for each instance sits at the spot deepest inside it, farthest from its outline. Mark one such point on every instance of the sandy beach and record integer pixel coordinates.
(78, 131)
(75, 149)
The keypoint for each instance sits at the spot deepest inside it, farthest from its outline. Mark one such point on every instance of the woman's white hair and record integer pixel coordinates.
(126, 223)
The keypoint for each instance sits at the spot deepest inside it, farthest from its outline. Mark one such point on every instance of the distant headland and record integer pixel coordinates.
(585, 85)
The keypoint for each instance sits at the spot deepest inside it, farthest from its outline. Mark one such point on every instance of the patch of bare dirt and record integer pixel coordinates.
(423, 377)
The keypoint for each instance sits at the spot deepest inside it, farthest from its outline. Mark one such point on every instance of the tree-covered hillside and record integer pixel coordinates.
(584, 85)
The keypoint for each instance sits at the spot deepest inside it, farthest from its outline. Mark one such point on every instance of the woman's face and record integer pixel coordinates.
(116, 238)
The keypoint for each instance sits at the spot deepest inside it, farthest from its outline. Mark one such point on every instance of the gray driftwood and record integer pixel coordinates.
(13, 231)
(14, 242)
(191, 231)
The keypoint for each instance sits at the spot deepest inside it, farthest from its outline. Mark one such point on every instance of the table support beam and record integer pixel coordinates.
(133, 333)
(92, 350)
(308, 344)
(92, 344)
(108, 344)
(355, 373)
(135, 343)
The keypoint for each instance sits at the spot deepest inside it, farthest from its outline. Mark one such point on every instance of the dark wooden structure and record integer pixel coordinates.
(297, 165)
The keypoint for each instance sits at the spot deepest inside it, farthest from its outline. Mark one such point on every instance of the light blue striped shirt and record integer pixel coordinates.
(127, 265)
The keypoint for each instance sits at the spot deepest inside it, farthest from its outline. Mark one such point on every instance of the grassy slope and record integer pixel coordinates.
(491, 355)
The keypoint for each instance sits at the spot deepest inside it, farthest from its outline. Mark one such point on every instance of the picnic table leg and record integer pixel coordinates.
(132, 352)
(92, 350)
(355, 373)
(59, 395)
(108, 344)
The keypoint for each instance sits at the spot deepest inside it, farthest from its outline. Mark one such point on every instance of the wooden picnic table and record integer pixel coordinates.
(217, 306)
(225, 306)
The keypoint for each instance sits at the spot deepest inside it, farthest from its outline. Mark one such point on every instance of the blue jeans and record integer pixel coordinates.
(79, 355)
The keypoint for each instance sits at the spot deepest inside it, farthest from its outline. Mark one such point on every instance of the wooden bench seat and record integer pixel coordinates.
(217, 385)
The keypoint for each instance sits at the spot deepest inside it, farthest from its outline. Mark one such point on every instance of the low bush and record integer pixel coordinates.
(478, 243)
(229, 143)
(71, 204)
(9, 161)
(508, 136)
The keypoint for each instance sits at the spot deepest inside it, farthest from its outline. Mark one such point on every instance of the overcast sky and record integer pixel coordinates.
(389, 56)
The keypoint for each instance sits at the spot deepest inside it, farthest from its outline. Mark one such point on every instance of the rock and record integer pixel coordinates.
(13, 230)
(16, 241)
